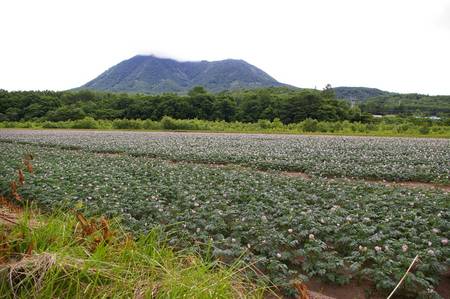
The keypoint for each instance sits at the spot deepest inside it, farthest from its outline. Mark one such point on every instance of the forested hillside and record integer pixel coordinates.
(408, 104)
(153, 75)
(359, 94)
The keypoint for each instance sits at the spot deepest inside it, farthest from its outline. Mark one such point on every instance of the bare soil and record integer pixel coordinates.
(304, 175)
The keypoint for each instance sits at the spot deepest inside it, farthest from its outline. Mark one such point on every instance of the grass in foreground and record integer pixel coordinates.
(63, 256)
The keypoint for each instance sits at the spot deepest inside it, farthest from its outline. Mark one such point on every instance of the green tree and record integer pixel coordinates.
(202, 103)
(328, 92)
(224, 108)
(197, 90)
(13, 114)
(301, 106)
(249, 109)
(65, 113)
(34, 110)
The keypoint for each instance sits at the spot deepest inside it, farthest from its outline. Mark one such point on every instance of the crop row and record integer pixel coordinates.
(332, 229)
(375, 158)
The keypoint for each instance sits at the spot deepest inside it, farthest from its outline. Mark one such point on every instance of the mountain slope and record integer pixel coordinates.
(153, 75)
(358, 93)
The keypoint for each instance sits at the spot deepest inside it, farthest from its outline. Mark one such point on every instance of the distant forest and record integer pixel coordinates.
(284, 104)
(407, 104)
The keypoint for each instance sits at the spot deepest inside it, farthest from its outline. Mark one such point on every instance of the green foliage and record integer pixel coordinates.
(85, 123)
(60, 260)
(126, 124)
(168, 123)
(153, 75)
(358, 93)
(66, 113)
(321, 226)
(397, 127)
(407, 104)
(201, 110)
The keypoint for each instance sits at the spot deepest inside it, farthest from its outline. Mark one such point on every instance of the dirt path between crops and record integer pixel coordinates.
(305, 175)
(405, 184)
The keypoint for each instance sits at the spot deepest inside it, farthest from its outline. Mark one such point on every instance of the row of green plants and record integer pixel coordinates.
(290, 228)
(385, 126)
(374, 158)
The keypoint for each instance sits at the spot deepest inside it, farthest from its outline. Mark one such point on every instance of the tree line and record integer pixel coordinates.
(269, 108)
(407, 104)
(293, 107)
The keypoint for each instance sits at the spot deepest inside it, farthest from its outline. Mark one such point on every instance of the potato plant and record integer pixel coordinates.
(332, 229)
(375, 158)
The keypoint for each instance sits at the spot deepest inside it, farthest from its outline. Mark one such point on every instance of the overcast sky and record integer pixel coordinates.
(394, 45)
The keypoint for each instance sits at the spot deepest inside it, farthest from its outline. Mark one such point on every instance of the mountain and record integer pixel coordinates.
(358, 93)
(153, 75)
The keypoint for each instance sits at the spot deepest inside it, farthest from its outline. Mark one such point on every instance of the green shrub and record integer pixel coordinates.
(49, 125)
(127, 124)
(168, 123)
(85, 123)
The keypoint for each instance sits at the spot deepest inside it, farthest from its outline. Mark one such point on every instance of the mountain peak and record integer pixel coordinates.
(150, 74)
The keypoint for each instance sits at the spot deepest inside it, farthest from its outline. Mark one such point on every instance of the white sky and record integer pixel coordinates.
(394, 45)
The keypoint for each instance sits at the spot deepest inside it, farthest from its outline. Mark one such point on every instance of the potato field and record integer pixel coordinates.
(230, 196)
